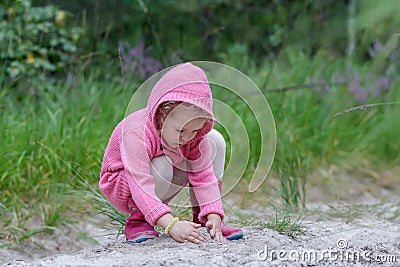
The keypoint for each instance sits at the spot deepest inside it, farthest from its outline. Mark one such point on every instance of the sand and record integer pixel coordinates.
(359, 227)
(368, 240)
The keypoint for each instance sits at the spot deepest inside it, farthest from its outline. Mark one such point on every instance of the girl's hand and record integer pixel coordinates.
(214, 225)
(183, 231)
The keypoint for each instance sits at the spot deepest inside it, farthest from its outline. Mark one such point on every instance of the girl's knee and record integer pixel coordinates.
(218, 145)
(161, 167)
(217, 139)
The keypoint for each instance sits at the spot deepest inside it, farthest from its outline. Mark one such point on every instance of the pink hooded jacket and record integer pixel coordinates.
(135, 141)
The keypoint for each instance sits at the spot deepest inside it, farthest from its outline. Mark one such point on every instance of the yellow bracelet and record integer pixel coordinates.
(174, 220)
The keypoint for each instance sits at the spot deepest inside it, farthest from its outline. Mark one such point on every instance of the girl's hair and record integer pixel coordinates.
(165, 108)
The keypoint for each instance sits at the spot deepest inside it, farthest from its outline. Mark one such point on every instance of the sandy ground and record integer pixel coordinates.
(364, 241)
(363, 233)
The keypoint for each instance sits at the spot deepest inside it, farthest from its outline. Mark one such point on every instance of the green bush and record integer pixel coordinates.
(34, 41)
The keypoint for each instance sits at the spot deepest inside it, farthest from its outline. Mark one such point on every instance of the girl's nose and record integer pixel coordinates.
(183, 138)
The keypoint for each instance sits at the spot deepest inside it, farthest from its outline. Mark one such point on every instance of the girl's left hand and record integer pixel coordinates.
(214, 225)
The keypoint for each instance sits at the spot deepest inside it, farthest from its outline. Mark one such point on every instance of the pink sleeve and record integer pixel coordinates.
(203, 180)
(135, 157)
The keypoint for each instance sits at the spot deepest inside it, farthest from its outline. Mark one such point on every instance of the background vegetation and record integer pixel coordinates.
(62, 90)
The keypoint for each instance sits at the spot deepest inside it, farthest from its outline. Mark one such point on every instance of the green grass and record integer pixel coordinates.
(48, 141)
(308, 133)
(116, 219)
(52, 141)
(284, 223)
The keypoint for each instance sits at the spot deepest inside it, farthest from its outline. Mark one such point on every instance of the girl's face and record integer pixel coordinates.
(181, 126)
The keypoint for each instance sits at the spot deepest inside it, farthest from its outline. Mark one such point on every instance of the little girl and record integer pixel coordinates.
(154, 152)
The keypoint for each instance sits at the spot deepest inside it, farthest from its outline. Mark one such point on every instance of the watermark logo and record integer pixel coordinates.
(341, 253)
(232, 93)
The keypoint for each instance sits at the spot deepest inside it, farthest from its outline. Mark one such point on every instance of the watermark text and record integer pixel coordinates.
(339, 253)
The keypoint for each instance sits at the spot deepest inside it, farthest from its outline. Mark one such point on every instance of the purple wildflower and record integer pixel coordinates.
(359, 93)
(321, 87)
(384, 83)
(361, 96)
(375, 49)
(138, 62)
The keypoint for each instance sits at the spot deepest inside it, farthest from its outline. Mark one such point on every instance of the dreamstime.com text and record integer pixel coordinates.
(340, 253)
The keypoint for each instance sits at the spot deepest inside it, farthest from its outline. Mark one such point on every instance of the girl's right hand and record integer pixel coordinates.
(183, 231)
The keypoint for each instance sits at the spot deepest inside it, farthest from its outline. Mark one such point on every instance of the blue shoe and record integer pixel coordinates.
(231, 233)
(235, 236)
(142, 236)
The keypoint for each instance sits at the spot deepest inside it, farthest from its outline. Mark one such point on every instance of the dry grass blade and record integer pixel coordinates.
(353, 109)
(362, 107)
(122, 68)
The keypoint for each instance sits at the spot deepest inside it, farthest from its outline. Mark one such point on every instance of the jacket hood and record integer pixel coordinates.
(187, 83)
